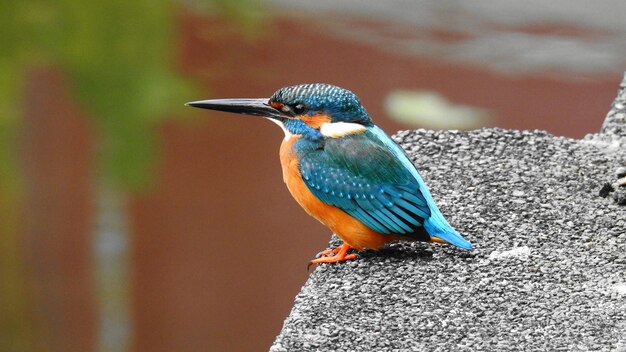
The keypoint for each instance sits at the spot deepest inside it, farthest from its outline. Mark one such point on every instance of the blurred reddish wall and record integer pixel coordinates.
(58, 167)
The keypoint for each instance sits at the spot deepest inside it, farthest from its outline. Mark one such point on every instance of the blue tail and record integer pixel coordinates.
(437, 226)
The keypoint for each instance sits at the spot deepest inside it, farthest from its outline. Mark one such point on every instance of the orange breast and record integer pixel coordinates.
(349, 229)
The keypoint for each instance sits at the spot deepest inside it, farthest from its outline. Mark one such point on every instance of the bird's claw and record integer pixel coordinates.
(330, 252)
(333, 255)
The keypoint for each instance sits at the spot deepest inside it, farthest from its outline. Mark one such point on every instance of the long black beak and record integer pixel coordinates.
(256, 107)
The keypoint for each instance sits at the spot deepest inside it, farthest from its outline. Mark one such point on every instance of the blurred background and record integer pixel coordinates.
(129, 222)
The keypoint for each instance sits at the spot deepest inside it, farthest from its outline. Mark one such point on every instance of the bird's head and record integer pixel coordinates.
(312, 110)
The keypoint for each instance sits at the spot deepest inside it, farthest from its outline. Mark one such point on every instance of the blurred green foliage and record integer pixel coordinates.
(116, 56)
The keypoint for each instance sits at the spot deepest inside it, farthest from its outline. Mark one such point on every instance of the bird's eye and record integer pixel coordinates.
(298, 108)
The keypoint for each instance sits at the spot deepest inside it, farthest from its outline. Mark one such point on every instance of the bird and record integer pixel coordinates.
(345, 171)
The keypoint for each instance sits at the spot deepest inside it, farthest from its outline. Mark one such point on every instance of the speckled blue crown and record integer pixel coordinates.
(340, 104)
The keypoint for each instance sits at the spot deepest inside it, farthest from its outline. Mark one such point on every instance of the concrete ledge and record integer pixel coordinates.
(548, 272)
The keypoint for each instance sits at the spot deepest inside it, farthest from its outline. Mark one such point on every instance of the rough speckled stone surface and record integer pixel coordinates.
(548, 272)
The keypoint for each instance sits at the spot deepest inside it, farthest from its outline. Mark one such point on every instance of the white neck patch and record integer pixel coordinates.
(340, 129)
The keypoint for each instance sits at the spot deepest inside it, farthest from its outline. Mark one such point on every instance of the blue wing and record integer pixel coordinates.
(360, 174)
(370, 177)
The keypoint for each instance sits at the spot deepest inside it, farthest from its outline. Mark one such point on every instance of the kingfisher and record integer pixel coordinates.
(345, 171)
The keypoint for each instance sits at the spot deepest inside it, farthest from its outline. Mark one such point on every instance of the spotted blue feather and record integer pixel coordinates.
(358, 174)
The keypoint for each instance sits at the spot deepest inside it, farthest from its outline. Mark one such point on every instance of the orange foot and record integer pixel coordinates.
(334, 255)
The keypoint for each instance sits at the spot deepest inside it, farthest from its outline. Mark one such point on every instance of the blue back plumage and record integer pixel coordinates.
(436, 224)
(369, 176)
(359, 175)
